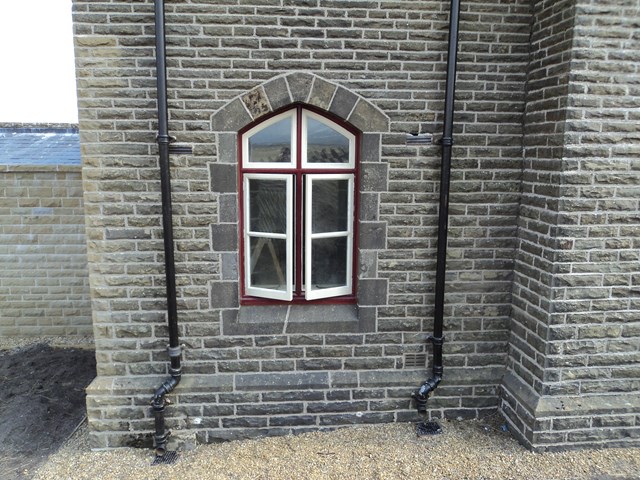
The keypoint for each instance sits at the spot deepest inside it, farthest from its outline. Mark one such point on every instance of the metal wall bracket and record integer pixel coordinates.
(418, 139)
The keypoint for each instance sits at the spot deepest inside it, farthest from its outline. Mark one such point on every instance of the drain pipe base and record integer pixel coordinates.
(424, 429)
(161, 434)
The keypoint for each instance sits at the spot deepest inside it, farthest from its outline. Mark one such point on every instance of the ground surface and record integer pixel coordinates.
(42, 401)
(477, 450)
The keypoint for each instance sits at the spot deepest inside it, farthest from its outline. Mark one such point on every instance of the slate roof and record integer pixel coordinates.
(39, 146)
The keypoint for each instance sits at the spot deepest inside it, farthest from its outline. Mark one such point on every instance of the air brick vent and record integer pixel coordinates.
(415, 360)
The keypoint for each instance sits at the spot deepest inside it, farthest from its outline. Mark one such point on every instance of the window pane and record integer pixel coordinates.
(268, 206)
(330, 207)
(328, 262)
(268, 263)
(324, 144)
(272, 144)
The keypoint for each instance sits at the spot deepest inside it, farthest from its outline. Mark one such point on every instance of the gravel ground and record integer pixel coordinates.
(466, 450)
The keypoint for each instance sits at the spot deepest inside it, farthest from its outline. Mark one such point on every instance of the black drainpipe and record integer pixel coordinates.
(159, 401)
(437, 339)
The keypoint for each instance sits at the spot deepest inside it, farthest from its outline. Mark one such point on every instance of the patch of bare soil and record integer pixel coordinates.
(42, 402)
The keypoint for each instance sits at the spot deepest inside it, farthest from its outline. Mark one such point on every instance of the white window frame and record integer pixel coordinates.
(334, 126)
(319, 293)
(287, 294)
(267, 123)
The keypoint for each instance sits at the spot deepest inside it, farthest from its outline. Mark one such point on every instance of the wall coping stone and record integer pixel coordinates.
(40, 168)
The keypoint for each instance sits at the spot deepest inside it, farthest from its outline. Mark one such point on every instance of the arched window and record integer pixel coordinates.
(298, 208)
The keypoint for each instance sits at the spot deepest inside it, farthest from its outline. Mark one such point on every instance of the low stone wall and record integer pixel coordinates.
(44, 282)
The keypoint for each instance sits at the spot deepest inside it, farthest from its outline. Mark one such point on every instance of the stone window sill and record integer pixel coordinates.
(288, 319)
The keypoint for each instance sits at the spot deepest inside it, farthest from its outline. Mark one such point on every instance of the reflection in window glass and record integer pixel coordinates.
(272, 144)
(328, 262)
(267, 206)
(330, 206)
(324, 144)
(268, 263)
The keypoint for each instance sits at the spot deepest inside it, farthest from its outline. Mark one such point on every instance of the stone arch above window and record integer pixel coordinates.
(303, 88)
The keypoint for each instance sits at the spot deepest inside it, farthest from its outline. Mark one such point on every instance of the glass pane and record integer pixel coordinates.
(268, 263)
(330, 205)
(328, 262)
(272, 144)
(268, 206)
(324, 144)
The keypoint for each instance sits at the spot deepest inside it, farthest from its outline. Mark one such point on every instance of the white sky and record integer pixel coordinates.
(37, 77)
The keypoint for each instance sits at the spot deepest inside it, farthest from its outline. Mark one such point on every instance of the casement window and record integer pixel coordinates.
(298, 209)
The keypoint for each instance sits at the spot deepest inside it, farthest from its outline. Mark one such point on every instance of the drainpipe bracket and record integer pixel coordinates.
(165, 139)
(439, 341)
(174, 351)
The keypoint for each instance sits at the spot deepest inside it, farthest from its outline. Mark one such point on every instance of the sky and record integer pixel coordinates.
(37, 76)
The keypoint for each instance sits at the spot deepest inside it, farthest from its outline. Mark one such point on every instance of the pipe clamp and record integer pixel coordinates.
(174, 351)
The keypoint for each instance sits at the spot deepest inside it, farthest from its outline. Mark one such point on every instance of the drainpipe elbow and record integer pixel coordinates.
(422, 394)
(429, 386)
(167, 387)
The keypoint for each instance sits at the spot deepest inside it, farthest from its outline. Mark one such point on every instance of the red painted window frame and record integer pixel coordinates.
(299, 172)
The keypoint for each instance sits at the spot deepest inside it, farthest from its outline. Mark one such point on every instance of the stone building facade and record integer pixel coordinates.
(542, 317)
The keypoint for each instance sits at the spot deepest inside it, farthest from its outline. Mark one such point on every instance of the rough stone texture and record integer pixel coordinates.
(576, 325)
(44, 284)
(558, 228)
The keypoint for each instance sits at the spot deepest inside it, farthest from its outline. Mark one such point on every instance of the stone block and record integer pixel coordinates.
(224, 178)
(269, 408)
(322, 318)
(277, 93)
(230, 118)
(224, 295)
(292, 420)
(372, 291)
(321, 93)
(366, 118)
(343, 102)
(373, 235)
(297, 395)
(228, 208)
(300, 86)
(324, 407)
(282, 381)
(390, 378)
(373, 177)
(224, 237)
(318, 364)
(256, 103)
(356, 419)
(244, 422)
(229, 268)
(369, 207)
(227, 148)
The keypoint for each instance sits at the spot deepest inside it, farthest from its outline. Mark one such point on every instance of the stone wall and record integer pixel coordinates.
(575, 361)
(359, 57)
(542, 266)
(44, 285)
